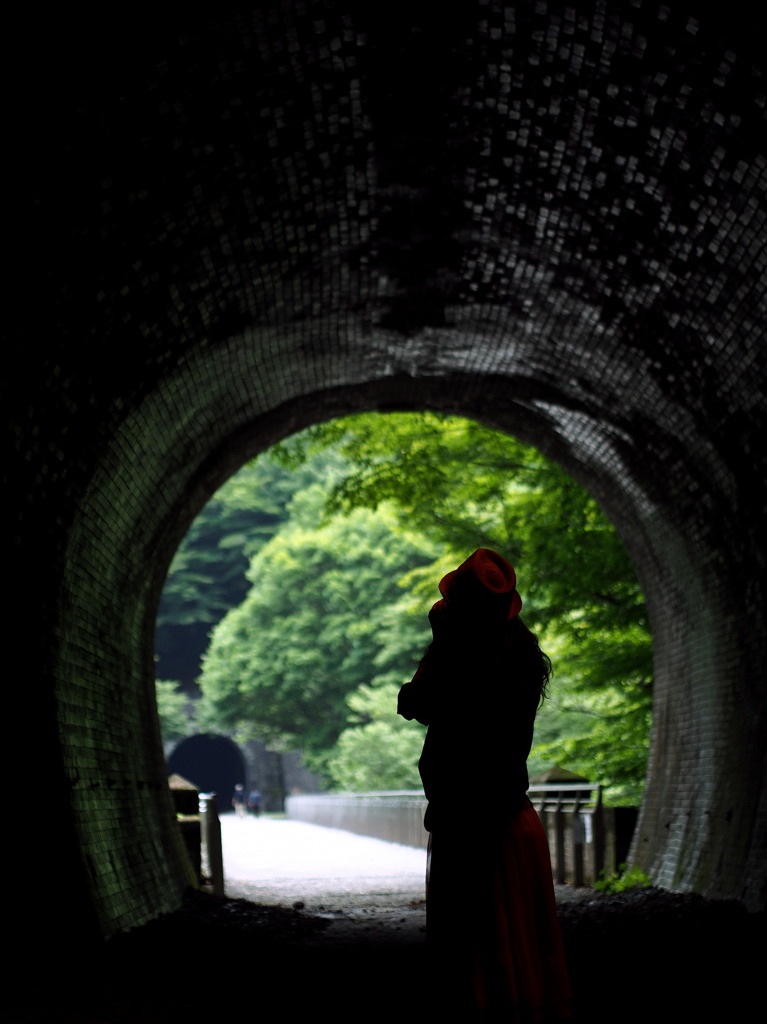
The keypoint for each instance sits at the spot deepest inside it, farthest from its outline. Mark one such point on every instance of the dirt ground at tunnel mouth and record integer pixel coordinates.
(647, 955)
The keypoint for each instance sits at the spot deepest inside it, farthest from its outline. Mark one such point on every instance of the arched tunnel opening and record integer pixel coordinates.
(298, 414)
(255, 623)
(282, 642)
(214, 764)
(238, 224)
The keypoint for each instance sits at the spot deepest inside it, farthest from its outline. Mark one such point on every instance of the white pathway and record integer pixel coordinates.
(277, 861)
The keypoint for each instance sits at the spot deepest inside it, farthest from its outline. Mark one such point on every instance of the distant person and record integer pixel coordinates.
(493, 939)
(238, 800)
(254, 802)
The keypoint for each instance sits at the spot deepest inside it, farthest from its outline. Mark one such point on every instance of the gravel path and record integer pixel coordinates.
(368, 889)
(275, 861)
(339, 932)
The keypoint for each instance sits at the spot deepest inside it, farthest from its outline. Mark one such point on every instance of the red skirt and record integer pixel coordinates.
(493, 938)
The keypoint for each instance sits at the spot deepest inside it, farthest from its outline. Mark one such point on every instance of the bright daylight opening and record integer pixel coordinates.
(297, 606)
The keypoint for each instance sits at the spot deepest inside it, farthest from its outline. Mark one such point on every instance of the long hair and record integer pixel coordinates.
(523, 646)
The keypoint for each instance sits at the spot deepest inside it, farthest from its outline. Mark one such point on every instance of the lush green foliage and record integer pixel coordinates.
(473, 487)
(465, 486)
(314, 626)
(598, 728)
(173, 709)
(622, 880)
(384, 752)
(347, 538)
(207, 575)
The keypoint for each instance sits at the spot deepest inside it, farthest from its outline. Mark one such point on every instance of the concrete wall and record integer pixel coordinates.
(395, 817)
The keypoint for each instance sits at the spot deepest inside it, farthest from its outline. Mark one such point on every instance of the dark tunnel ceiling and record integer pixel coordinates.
(291, 166)
(571, 197)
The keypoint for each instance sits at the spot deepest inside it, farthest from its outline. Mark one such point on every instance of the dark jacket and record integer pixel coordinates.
(478, 698)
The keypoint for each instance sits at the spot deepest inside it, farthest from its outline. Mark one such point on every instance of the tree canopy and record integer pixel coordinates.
(466, 486)
(173, 710)
(314, 626)
(383, 750)
(346, 529)
(207, 576)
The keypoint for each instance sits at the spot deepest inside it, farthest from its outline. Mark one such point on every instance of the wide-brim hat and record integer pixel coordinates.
(484, 583)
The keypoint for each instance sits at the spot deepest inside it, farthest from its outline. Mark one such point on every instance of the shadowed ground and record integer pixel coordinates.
(645, 956)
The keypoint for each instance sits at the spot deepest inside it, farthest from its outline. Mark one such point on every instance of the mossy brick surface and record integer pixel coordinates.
(237, 223)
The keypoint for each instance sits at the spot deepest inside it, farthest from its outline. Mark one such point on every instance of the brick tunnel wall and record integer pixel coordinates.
(549, 218)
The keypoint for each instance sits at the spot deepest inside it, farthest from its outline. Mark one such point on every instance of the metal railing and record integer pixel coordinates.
(573, 818)
(571, 813)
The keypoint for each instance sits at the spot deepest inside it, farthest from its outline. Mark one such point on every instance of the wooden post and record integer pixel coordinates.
(543, 814)
(598, 824)
(559, 829)
(212, 835)
(577, 840)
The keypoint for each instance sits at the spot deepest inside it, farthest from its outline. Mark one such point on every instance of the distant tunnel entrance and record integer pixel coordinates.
(213, 763)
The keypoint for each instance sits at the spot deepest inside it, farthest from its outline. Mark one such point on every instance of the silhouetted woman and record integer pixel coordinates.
(492, 933)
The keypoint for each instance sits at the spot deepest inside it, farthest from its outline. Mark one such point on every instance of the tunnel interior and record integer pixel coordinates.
(547, 219)
(214, 764)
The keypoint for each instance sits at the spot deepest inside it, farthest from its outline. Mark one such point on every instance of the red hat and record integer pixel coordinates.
(484, 582)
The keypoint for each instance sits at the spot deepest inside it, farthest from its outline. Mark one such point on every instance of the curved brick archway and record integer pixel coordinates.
(550, 219)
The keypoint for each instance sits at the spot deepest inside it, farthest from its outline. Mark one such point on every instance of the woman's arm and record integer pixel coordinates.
(414, 698)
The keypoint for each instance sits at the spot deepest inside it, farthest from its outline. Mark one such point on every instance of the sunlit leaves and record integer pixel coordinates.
(174, 710)
(466, 486)
(312, 628)
(384, 752)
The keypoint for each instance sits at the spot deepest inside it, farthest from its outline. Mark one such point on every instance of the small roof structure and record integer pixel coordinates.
(177, 781)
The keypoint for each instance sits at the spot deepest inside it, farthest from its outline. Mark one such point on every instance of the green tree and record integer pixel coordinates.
(380, 750)
(208, 574)
(466, 486)
(312, 626)
(383, 753)
(173, 710)
(597, 725)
